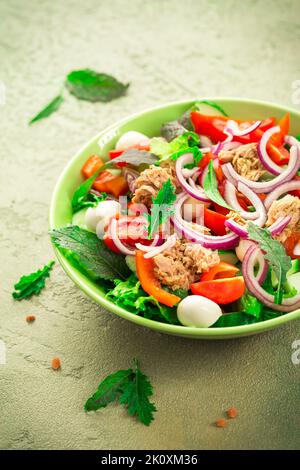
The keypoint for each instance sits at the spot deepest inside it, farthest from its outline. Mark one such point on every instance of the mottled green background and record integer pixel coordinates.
(168, 50)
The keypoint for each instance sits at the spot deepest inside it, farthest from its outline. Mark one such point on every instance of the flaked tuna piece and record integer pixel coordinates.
(245, 161)
(182, 265)
(288, 205)
(150, 182)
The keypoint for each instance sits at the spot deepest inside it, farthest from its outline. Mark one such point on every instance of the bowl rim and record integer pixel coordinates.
(100, 298)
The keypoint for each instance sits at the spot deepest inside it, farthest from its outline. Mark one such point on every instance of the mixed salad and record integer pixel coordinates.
(199, 226)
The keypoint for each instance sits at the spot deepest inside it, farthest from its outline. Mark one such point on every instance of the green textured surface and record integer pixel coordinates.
(168, 51)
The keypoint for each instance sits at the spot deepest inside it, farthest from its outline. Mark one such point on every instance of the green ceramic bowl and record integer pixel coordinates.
(149, 122)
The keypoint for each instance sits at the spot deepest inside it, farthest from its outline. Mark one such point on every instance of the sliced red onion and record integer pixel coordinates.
(235, 130)
(114, 234)
(252, 284)
(130, 176)
(225, 242)
(256, 202)
(266, 186)
(263, 268)
(215, 149)
(226, 146)
(275, 228)
(290, 140)
(282, 189)
(266, 161)
(160, 249)
(204, 142)
(197, 193)
(189, 173)
(156, 241)
(231, 199)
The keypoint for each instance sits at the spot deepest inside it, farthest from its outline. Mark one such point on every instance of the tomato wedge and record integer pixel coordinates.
(211, 126)
(130, 229)
(291, 243)
(220, 271)
(215, 222)
(150, 283)
(108, 183)
(221, 291)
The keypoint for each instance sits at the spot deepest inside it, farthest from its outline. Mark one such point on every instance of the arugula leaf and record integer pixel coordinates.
(87, 200)
(210, 186)
(91, 252)
(33, 283)
(108, 390)
(162, 207)
(274, 253)
(92, 86)
(171, 130)
(133, 156)
(51, 107)
(251, 305)
(133, 390)
(135, 395)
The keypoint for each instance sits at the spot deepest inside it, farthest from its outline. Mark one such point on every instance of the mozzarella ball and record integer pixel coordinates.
(102, 212)
(198, 311)
(91, 219)
(242, 248)
(132, 139)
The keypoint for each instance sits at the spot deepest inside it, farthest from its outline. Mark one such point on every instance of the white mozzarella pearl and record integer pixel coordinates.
(131, 139)
(198, 311)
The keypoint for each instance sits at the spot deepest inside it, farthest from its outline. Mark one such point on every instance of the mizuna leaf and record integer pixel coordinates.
(33, 283)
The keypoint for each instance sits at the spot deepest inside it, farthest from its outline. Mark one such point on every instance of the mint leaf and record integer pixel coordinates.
(53, 106)
(133, 390)
(210, 186)
(135, 396)
(108, 390)
(162, 207)
(92, 86)
(274, 253)
(33, 283)
(91, 252)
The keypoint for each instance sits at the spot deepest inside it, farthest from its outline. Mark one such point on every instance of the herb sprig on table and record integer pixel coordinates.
(85, 85)
(131, 388)
(33, 283)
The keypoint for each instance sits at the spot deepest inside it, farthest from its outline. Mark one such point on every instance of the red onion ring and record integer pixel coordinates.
(265, 186)
(277, 192)
(114, 234)
(234, 129)
(266, 161)
(231, 199)
(156, 241)
(275, 228)
(165, 246)
(225, 242)
(252, 284)
(130, 176)
(197, 193)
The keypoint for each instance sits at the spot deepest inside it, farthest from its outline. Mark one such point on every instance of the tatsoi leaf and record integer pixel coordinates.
(274, 253)
(32, 284)
(108, 390)
(210, 186)
(93, 86)
(133, 390)
(91, 252)
(135, 396)
(162, 207)
(131, 156)
(49, 109)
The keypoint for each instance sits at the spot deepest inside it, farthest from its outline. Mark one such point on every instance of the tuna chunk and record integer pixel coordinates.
(288, 205)
(178, 267)
(150, 182)
(245, 161)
